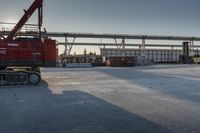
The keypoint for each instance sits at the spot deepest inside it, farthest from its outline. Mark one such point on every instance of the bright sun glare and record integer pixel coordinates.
(8, 25)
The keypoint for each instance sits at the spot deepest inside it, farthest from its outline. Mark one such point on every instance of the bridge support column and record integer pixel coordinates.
(68, 46)
(123, 47)
(142, 47)
(191, 47)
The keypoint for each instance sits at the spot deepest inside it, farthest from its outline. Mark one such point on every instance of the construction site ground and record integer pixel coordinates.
(142, 99)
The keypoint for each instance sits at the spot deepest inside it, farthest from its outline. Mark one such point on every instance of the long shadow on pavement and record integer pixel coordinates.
(38, 110)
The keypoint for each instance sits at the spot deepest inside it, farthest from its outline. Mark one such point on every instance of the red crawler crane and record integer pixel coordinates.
(21, 57)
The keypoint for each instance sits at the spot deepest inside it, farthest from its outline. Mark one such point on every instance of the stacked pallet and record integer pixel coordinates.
(121, 61)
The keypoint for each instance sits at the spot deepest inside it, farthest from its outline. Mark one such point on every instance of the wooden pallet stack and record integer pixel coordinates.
(124, 61)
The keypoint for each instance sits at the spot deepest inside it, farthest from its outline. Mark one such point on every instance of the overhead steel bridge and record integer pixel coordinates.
(122, 44)
(106, 36)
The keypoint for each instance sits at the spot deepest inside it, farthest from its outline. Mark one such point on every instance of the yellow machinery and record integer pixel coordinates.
(196, 59)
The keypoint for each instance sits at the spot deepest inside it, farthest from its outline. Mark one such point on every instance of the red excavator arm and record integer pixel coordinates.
(37, 4)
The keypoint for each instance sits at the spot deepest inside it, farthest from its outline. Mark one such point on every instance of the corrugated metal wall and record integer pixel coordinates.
(155, 55)
(162, 55)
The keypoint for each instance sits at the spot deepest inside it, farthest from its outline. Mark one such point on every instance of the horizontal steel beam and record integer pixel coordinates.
(130, 45)
(107, 36)
(121, 36)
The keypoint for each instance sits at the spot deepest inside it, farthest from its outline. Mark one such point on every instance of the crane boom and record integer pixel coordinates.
(37, 4)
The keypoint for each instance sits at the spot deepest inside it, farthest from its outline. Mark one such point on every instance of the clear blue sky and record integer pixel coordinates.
(160, 17)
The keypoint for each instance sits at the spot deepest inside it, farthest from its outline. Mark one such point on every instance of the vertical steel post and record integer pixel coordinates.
(143, 47)
(123, 47)
(191, 47)
(66, 46)
(40, 19)
(71, 45)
